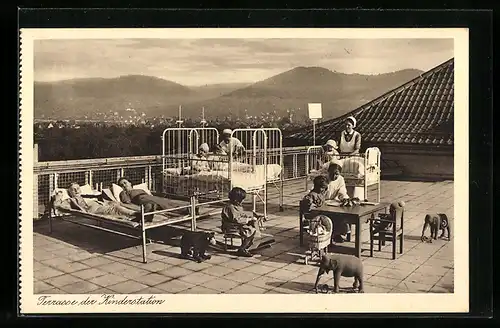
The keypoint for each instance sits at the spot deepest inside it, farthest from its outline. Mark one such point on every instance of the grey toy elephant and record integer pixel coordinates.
(342, 266)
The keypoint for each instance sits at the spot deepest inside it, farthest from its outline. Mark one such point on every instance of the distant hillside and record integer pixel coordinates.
(216, 90)
(79, 97)
(338, 92)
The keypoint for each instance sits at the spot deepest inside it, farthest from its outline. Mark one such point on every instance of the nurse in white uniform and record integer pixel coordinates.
(231, 145)
(350, 140)
(350, 144)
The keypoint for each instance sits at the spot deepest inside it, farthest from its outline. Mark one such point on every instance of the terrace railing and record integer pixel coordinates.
(102, 172)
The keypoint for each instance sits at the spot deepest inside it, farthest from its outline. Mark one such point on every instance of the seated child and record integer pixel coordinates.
(235, 218)
(337, 191)
(329, 153)
(316, 197)
(200, 160)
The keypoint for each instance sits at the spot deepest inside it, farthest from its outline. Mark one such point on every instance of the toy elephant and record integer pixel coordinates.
(342, 266)
(436, 222)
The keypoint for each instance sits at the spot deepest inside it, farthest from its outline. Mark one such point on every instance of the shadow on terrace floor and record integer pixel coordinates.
(102, 242)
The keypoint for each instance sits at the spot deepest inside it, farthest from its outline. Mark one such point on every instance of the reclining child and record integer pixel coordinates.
(77, 202)
(151, 203)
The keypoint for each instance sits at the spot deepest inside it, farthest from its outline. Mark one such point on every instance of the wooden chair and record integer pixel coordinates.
(388, 227)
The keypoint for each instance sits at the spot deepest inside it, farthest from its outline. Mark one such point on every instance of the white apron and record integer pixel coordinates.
(347, 146)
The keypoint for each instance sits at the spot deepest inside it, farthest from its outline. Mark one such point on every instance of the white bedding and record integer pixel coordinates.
(239, 178)
(352, 167)
(353, 171)
(216, 166)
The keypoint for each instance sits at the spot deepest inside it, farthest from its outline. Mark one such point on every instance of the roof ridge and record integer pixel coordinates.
(391, 92)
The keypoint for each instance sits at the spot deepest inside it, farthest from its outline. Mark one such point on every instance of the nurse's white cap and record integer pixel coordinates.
(351, 118)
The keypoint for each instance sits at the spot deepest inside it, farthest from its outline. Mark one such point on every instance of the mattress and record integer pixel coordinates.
(239, 178)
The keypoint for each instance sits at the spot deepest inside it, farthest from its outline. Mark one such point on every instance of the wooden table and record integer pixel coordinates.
(356, 215)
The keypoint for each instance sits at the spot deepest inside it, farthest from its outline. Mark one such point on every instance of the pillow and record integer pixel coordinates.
(109, 194)
(64, 191)
(116, 189)
(86, 190)
(144, 187)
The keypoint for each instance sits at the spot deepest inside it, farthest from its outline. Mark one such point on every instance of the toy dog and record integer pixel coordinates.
(194, 245)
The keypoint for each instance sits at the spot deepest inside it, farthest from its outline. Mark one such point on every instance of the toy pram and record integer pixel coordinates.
(317, 243)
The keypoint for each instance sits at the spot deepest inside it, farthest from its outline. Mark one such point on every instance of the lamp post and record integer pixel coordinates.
(315, 113)
(179, 121)
(203, 121)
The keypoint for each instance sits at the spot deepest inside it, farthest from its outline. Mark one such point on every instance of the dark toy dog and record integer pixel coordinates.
(342, 266)
(436, 222)
(194, 245)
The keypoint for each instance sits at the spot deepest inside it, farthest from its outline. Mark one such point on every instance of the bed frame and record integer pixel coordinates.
(360, 170)
(161, 218)
(259, 166)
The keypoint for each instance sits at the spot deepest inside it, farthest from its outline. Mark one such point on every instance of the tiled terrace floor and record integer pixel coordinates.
(75, 259)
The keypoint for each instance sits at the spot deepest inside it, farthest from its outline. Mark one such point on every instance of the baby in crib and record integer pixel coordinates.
(329, 153)
(200, 161)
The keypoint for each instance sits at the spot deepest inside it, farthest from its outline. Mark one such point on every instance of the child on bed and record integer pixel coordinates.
(77, 202)
(329, 153)
(235, 218)
(151, 203)
(200, 160)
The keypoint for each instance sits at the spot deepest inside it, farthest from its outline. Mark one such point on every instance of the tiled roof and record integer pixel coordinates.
(419, 112)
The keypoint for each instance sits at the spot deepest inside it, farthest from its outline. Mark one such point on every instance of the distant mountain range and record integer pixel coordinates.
(293, 89)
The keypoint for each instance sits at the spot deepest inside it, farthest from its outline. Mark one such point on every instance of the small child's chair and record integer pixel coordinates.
(388, 227)
(229, 236)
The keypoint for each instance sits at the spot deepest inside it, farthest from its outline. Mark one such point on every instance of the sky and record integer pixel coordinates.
(211, 61)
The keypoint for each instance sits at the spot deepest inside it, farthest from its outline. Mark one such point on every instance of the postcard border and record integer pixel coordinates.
(461, 156)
